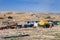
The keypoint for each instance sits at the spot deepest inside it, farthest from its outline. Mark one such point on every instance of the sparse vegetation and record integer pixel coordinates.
(1, 18)
(8, 13)
(48, 17)
(35, 33)
(20, 13)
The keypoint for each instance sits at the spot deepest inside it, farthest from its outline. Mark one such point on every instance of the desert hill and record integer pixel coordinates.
(20, 17)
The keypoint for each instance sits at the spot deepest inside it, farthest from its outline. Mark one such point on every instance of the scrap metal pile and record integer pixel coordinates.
(40, 23)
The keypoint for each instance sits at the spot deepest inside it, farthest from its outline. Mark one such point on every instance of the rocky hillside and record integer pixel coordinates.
(20, 17)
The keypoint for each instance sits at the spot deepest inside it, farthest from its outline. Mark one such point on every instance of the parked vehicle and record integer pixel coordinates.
(19, 25)
(9, 24)
(46, 24)
(56, 22)
(4, 23)
(28, 23)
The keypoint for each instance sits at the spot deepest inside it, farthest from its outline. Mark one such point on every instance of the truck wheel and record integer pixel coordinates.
(25, 26)
(51, 25)
(47, 26)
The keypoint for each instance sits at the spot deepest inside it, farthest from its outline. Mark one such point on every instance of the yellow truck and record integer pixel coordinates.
(44, 23)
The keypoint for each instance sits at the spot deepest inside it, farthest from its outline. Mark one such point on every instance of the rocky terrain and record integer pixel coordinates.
(34, 33)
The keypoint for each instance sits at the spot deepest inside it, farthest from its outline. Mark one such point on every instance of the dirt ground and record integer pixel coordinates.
(20, 17)
(34, 33)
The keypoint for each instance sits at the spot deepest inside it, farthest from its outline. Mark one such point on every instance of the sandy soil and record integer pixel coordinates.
(35, 33)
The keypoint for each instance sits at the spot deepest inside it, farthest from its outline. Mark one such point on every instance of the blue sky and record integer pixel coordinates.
(30, 5)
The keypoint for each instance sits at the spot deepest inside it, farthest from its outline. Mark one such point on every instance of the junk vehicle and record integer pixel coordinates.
(56, 22)
(11, 25)
(7, 25)
(28, 23)
(44, 23)
(18, 25)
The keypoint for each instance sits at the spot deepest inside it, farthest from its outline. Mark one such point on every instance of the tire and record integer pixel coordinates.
(47, 26)
(31, 25)
(12, 27)
(51, 25)
(25, 26)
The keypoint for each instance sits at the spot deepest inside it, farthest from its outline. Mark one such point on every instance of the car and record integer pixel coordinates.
(56, 22)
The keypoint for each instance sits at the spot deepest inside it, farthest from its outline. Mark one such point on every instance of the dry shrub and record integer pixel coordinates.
(9, 13)
(1, 17)
(48, 17)
(10, 17)
(20, 13)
